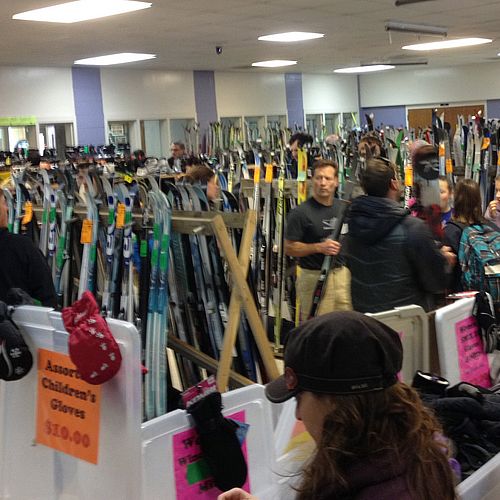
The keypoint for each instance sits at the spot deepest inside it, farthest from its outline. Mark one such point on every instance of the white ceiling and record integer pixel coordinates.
(184, 33)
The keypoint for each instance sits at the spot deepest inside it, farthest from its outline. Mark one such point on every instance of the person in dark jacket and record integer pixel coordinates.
(392, 256)
(22, 265)
(374, 437)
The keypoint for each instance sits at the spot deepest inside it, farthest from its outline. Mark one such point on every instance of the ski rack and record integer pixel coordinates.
(241, 296)
(204, 361)
(217, 223)
(247, 187)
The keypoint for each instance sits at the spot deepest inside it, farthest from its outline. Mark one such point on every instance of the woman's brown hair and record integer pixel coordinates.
(199, 173)
(392, 425)
(468, 202)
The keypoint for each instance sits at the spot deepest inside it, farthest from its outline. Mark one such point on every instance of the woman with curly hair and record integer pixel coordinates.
(374, 438)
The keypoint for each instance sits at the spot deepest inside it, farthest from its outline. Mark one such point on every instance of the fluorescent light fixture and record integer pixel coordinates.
(399, 3)
(365, 69)
(122, 58)
(448, 44)
(81, 10)
(422, 29)
(274, 63)
(291, 36)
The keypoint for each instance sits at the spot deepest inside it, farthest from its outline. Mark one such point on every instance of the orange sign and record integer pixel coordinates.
(68, 408)
(120, 218)
(86, 235)
(28, 212)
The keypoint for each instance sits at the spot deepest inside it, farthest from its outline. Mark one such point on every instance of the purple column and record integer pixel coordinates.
(493, 108)
(294, 100)
(89, 110)
(205, 102)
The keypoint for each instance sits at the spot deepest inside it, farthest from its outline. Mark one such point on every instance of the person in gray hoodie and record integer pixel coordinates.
(392, 256)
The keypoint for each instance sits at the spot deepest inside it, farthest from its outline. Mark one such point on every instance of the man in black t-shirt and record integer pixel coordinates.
(307, 234)
(22, 265)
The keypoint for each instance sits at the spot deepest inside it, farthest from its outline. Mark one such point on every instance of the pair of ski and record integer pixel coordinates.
(278, 248)
(18, 178)
(199, 291)
(118, 248)
(89, 239)
(62, 260)
(155, 382)
(10, 204)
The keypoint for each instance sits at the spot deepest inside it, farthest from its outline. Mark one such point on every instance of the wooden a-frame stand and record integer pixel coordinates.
(241, 297)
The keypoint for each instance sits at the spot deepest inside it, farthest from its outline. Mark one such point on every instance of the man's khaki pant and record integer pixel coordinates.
(336, 294)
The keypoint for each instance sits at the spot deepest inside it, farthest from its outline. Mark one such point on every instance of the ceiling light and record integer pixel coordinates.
(365, 69)
(423, 29)
(122, 58)
(81, 10)
(448, 44)
(274, 63)
(398, 3)
(291, 36)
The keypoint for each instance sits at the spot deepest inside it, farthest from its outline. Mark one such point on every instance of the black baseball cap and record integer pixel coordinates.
(338, 353)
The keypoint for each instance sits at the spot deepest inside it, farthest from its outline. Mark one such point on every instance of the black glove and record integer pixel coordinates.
(15, 357)
(219, 442)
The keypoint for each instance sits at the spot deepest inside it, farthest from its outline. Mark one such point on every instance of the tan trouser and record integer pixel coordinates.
(336, 296)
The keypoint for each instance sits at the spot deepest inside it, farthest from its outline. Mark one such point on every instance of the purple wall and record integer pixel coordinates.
(493, 108)
(389, 115)
(88, 106)
(294, 99)
(205, 102)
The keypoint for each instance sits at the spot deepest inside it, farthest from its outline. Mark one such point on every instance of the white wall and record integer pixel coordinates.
(143, 95)
(46, 93)
(476, 82)
(329, 93)
(250, 94)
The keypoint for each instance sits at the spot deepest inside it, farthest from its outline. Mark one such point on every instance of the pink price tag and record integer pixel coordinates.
(472, 360)
(193, 479)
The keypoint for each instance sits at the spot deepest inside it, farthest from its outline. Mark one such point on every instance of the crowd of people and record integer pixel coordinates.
(387, 256)
(374, 438)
